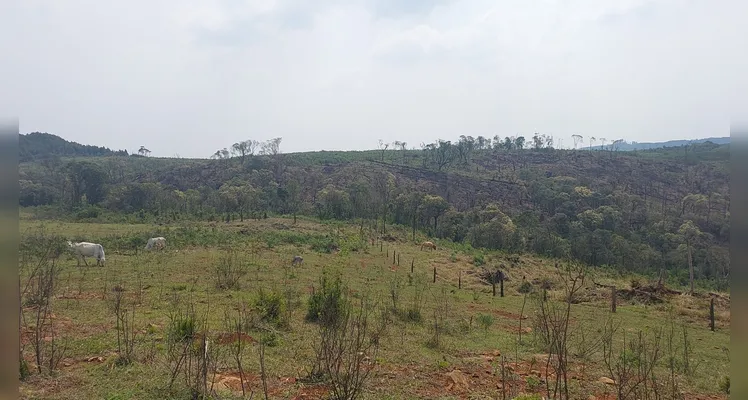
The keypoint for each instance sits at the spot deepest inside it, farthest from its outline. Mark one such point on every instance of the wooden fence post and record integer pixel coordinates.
(381, 245)
(493, 286)
(434, 274)
(411, 265)
(393, 256)
(398, 259)
(501, 282)
(711, 314)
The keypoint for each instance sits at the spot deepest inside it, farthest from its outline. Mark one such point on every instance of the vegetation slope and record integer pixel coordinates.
(641, 211)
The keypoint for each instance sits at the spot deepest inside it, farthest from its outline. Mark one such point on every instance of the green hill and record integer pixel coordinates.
(38, 145)
(638, 211)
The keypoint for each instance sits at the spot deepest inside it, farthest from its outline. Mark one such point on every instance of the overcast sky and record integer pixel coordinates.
(188, 77)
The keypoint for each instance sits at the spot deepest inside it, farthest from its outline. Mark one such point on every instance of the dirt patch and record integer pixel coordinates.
(645, 294)
(233, 337)
(79, 296)
(316, 392)
(388, 238)
(278, 387)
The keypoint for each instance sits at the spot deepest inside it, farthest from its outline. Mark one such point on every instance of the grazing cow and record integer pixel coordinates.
(86, 249)
(430, 245)
(297, 260)
(158, 242)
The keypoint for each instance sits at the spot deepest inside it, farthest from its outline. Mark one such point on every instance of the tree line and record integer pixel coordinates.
(655, 215)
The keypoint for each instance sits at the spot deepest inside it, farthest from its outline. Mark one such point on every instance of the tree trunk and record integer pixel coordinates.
(414, 227)
(690, 265)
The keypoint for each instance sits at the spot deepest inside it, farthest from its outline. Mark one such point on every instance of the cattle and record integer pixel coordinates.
(86, 249)
(297, 260)
(158, 242)
(430, 245)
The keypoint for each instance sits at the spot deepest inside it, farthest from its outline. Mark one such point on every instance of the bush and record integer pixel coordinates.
(479, 260)
(229, 270)
(87, 213)
(182, 327)
(525, 287)
(485, 321)
(270, 339)
(270, 307)
(532, 382)
(326, 303)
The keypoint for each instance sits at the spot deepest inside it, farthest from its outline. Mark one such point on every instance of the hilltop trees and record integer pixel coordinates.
(244, 148)
(653, 214)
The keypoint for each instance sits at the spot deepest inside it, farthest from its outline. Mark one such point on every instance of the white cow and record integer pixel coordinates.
(86, 249)
(158, 242)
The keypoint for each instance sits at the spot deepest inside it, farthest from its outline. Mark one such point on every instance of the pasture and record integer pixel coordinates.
(113, 332)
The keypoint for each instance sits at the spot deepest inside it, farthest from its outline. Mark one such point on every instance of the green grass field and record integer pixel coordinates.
(409, 363)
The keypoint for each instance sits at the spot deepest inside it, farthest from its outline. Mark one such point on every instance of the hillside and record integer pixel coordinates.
(639, 212)
(38, 145)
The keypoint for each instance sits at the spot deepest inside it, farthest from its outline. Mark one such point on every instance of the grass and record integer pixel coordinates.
(160, 283)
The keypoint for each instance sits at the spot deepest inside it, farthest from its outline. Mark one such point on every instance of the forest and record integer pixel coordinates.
(662, 213)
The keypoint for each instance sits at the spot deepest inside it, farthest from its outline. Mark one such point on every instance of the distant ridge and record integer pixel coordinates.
(629, 146)
(40, 145)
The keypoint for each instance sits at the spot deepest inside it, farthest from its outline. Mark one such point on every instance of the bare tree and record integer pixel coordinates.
(244, 148)
(690, 233)
(383, 147)
(592, 140)
(577, 139)
(553, 328)
(271, 147)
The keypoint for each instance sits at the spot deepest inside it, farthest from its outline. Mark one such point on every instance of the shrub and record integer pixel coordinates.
(229, 270)
(485, 321)
(270, 306)
(525, 287)
(479, 260)
(326, 304)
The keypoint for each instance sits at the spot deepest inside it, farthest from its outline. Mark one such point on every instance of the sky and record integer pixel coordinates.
(186, 77)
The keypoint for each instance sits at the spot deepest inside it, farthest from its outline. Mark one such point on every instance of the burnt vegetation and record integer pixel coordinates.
(659, 212)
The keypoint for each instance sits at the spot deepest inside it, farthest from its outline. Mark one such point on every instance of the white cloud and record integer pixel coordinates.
(192, 76)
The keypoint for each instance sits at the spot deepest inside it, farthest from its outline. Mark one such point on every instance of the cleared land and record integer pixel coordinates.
(453, 349)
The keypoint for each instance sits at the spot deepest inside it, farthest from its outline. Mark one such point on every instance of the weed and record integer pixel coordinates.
(485, 321)
(478, 260)
(229, 270)
(532, 383)
(326, 304)
(270, 307)
(525, 287)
